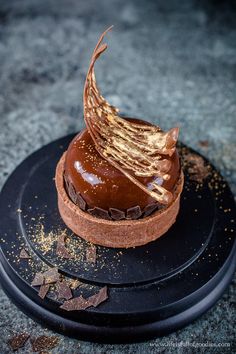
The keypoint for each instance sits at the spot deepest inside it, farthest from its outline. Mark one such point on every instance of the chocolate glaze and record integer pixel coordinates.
(103, 186)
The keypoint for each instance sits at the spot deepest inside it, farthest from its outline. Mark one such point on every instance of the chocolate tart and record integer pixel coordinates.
(120, 233)
(119, 183)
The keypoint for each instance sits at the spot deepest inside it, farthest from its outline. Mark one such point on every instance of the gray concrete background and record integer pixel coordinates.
(169, 62)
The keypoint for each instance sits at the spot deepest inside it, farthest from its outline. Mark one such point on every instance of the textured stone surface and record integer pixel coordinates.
(168, 62)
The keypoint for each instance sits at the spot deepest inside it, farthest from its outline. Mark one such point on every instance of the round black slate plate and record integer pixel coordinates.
(153, 289)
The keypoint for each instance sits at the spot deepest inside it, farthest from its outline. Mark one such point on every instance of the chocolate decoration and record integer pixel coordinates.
(75, 304)
(81, 202)
(136, 151)
(66, 181)
(44, 343)
(117, 214)
(91, 253)
(133, 213)
(99, 213)
(61, 249)
(98, 298)
(43, 290)
(149, 209)
(63, 290)
(196, 167)
(38, 279)
(18, 340)
(62, 252)
(24, 254)
(75, 284)
(80, 303)
(51, 276)
(48, 277)
(72, 193)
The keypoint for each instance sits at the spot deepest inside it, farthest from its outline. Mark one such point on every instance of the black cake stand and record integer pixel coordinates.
(153, 289)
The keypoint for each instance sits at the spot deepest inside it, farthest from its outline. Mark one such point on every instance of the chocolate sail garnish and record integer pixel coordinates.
(136, 150)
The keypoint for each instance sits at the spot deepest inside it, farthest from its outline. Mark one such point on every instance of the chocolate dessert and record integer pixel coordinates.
(119, 182)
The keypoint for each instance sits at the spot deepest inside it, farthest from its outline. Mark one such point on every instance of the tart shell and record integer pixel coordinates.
(117, 234)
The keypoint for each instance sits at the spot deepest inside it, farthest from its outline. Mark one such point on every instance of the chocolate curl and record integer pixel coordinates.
(127, 146)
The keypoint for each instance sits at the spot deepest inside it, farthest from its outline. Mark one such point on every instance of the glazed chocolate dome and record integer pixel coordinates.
(102, 185)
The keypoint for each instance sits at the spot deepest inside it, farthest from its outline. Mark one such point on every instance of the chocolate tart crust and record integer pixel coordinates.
(109, 233)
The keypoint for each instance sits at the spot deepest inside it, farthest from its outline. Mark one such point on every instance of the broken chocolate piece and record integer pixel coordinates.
(62, 252)
(24, 254)
(43, 290)
(81, 202)
(149, 209)
(66, 182)
(48, 277)
(99, 213)
(18, 340)
(196, 167)
(61, 239)
(91, 254)
(72, 193)
(98, 298)
(38, 279)
(44, 343)
(117, 214)
(133, 213)
(63, 290)
(76, 304)
(51, 276)
(75, 284)
(61, 249)
(75, 197)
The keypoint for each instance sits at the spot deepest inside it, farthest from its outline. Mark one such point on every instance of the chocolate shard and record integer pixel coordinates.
(51, 276)
(133, 213)
(61, 239)
(91, 254)
(38, 279)
(44, 343)
(81, 202)
(61, 249)
(99, 213)
(18, 340)
(48, 277)
(98, 298)
(63, 252)
(117, 214)
(72, 193)
(24, 254)
(75, 197)
(75, 283)
(76, 304)
(66, 182)
(63, 290)
(149, 209)
(196, 167)
(43, 290)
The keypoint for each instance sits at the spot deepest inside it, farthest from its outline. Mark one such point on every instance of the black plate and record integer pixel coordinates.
(153, 289)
